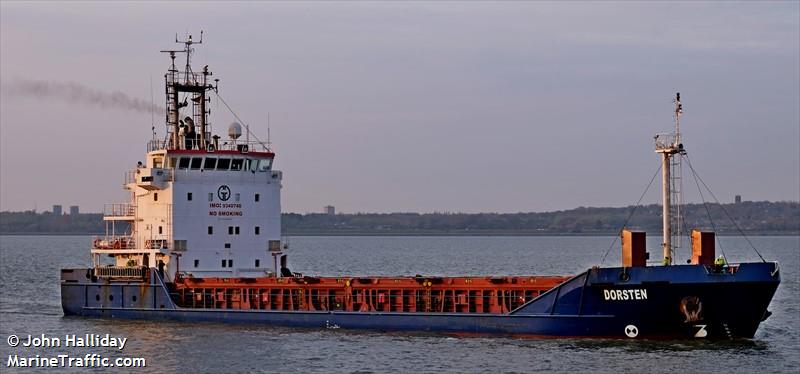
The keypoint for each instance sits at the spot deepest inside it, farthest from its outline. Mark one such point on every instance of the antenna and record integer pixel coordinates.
(269, 140)
(678, 112)
(188, 50)
(152, 112)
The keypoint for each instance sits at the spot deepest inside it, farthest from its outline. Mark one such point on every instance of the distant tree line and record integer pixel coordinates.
(46, 222)
(752, 217)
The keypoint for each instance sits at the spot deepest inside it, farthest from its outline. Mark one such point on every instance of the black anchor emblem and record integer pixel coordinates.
(224, 192)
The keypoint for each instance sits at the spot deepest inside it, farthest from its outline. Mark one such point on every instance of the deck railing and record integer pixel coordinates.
(192, 78)
(113, 242)
(666, 141)
(224, 145)
(119, 210)
(156, 145)
(130, 177)
(157, 244)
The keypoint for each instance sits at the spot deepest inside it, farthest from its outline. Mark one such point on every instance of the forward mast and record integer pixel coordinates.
(669, 146)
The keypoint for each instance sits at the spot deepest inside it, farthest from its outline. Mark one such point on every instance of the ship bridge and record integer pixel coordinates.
(199, 204)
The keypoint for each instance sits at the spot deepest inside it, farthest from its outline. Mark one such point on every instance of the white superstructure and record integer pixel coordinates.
(197, 207)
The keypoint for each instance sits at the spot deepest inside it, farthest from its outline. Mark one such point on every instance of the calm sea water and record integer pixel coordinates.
(30, 304)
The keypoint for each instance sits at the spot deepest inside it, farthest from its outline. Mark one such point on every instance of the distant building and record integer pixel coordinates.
(329, 210)
(73, 210)
(738, 199)
(57, 210)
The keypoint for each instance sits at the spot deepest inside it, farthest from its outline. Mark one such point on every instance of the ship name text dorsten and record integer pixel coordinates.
(622, 295)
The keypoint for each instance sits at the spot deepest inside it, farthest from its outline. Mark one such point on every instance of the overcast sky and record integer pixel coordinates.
(384, 107)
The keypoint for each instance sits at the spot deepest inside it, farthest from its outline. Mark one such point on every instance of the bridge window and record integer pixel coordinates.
(264, 164)
(253, 165)
(189, 196)
(230, 230)
(258, 196)
(230, 263)
(196, 263)
(173, 162)
(258, 230)
(258, 263)
(183, 163)
(155, 196)
(224, 263)
(236, 164)
(236, 229)
(210, 164)
(224, 164)
(227, 245)
(210, 230)
(158, 162)
(196, 162)
(160, 230)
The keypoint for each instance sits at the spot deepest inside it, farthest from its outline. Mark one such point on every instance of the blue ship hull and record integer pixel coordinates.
(686, 301)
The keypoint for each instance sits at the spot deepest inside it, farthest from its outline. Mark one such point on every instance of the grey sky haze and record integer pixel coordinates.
(418, 106)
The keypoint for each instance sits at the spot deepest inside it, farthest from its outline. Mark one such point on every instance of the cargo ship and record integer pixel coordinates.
(200, 240)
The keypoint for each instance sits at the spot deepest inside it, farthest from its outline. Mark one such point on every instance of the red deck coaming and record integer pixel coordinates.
(366, 294)
(510, 282)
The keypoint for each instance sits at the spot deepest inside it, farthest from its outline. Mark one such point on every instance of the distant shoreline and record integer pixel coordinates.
(757, 218)
(408, 233)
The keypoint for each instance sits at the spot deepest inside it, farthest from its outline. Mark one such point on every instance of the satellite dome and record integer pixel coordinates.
(235, 130)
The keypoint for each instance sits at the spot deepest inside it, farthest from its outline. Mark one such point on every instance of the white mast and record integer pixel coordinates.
(669, 145)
